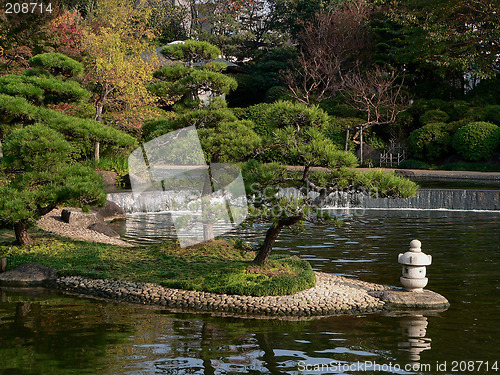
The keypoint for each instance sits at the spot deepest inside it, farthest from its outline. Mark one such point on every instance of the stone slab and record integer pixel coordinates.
(29, 274)
(399, 298)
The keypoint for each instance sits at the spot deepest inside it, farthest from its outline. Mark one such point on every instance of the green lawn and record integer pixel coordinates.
(219, 266)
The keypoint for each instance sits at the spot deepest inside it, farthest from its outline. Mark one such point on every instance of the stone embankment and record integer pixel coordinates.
(331, 295)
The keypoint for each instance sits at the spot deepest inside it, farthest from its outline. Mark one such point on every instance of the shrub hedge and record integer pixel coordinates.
(430, 142)
(477, 141)
(434, 115)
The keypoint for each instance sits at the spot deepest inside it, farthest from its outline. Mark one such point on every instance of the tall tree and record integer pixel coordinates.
(378, 94)
(115, 41)
(331, 45)
(238, 27)
(191, 73)
(43, 174)
(452, 37)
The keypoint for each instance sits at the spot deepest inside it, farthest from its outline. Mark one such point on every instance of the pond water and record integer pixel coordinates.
(57, 334)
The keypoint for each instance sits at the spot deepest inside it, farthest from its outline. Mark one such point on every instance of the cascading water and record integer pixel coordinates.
(154, 201)
(426, 199)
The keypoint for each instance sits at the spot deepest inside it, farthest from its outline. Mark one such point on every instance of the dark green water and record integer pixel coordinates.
(55, 334)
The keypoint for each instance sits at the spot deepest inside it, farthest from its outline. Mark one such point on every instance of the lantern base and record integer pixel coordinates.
(414, 285)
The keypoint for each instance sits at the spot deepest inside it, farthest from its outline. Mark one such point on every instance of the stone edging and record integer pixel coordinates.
(332, 295)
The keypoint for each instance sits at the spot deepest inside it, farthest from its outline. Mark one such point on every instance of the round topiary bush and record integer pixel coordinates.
(477, 140)
(430, 142)
(434, 115)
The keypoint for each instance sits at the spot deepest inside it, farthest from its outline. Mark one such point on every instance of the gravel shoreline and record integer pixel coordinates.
(53, 223)
(332, 295)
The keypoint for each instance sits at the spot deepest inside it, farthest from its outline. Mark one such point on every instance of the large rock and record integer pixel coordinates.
(29, 274)
(104, 229)
(109, 211)
(76, 216)
(109, 178)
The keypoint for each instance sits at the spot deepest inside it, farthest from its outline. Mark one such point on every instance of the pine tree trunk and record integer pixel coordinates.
(22, 236)
(208, 228)
(98, 117)
(271, 235)
(97, 147)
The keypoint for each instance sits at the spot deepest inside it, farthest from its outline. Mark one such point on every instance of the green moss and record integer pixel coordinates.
(218, 266)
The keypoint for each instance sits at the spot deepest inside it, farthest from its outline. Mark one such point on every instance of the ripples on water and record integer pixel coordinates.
(81, 336)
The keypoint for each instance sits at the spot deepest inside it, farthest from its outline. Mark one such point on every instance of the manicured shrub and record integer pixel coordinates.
(229, 141)
(80, 133)
(430, 142)
(456, 109)
(201, 118)
(338, 109)
(56, 63)
(477, 140)
(434, 115)
(239, 112)
(269, 117)
(259, 114)
(42, 90)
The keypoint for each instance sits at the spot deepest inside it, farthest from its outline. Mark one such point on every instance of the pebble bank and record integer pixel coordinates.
(332, 295)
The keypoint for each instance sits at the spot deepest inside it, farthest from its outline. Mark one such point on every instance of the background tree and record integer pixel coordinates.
(43, 173)
(239, 28)
(377, 94)
(57, 102)
(115, 40)
(171, 21)
(330, 46)
(192, 73)
(450, 38)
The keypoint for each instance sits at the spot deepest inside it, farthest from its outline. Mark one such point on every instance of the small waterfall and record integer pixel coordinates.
(426, 199)
(153, 201)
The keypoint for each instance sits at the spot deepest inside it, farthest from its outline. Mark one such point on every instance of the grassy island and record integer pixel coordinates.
(220, 266)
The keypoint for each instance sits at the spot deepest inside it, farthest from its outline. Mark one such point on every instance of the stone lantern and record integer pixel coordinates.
(414, 270)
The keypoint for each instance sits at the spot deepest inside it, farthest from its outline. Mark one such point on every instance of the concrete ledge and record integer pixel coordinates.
(401, 299)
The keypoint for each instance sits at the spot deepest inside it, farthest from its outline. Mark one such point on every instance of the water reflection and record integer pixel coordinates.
(61, 335)
(414, 328)
(413, 338)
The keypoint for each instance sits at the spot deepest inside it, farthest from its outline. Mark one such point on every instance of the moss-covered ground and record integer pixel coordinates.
(219, 266)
